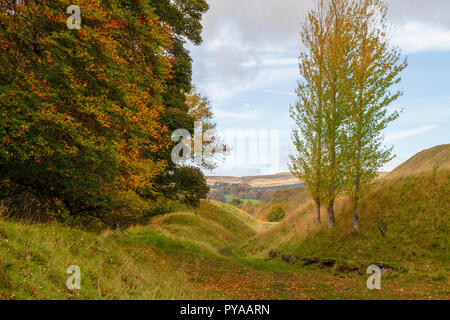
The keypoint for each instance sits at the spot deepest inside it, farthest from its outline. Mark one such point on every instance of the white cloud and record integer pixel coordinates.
(286, 93)
(416, 36)
(246, 113)
(409, 133)
(244, 40)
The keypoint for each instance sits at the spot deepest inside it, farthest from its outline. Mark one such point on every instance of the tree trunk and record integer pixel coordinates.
(317, 220)
(331, 219)
(355, 219)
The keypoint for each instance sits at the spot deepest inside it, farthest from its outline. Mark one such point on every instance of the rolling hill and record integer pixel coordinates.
(411, 205)
(283, 179)
(275, 180)
(222, 252)
(437, 158)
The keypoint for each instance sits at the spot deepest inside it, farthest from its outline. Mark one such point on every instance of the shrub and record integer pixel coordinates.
(217, 195)
(276, 213)
(236, 202)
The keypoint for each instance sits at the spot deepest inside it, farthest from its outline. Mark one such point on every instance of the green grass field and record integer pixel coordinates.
(221, 253)
(253, 201)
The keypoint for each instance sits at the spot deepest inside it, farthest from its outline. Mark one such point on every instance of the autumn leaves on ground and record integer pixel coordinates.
(222, 253)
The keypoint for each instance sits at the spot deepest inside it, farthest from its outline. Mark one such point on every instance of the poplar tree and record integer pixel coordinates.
(347, 71)
(337, 57)
(308, 115)
(375, 69)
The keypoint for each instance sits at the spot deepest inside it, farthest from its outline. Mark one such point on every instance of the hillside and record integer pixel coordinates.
(275, 180)
(222, 252)
(412, 206)
(283, 179)
(178, 256)
(159, 261)
(437, 158)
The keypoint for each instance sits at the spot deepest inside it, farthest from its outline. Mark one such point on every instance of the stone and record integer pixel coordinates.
(310, 260)
(273, 253)
(329, 263)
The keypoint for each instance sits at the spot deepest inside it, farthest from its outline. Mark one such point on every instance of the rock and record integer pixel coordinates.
(273, 253)
(385, 268)
(310, 260)
(383, 228)
(346, 268)
(289, 258)
(329, 263)
(292, 260)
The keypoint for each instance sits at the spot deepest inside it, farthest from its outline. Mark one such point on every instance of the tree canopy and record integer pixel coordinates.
(85, 113)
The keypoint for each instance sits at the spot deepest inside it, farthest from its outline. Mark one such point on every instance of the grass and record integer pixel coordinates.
(253, 201)
(416, 210)
(165, 260)
(437, 158)
(221, 252)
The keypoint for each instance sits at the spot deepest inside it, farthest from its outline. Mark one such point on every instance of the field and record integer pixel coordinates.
(222, 252)
(268, 181)
(253, 201)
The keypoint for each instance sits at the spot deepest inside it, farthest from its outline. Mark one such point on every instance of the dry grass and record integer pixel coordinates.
(437, 158)
(275, 180)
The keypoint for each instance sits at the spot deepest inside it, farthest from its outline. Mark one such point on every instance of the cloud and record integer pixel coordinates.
(416, 36)
(245, 114)
(409, 133)
(281, 92)
(244, 41)
(423, 11)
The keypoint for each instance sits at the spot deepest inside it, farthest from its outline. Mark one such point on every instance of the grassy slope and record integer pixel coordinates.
(437, 158)
(221, 252)
(416, 210)
(178, 256)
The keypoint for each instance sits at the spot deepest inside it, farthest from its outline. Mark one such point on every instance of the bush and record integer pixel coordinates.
(236, 202)
(217, 195)
(276, 213)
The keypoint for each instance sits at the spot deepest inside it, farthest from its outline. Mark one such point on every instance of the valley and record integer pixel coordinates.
(223, 252)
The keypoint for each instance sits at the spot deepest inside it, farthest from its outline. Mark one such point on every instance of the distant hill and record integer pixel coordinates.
(275, 180)
(425, 161)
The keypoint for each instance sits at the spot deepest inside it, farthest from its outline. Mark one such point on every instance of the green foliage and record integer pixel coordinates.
(79, 108)
(236, 202)
(185, 184)
(182, 104)
(347, 71)
(217, 195)
(86, 115)
(276, 213)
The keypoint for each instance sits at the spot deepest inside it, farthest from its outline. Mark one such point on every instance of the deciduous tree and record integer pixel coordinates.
(376, 67)
(80, 108)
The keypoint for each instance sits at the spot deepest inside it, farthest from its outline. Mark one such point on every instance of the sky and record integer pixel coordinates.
(248, 68)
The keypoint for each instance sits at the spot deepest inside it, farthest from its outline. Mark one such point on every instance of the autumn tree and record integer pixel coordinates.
(80, 109)
(183, 104)
(184, 19)
(347, 69)
(375, 69)
(276, 213)
(338, 57)
(316, 137)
